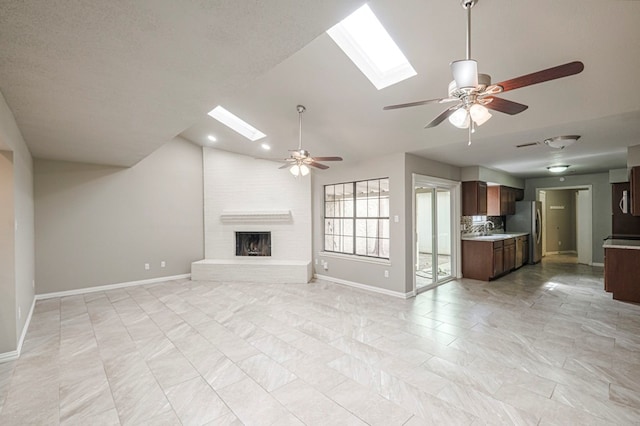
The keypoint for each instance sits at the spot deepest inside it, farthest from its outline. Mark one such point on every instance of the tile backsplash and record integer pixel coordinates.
(469, 227)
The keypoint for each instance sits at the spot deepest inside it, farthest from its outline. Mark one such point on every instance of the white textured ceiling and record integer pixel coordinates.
(109, 83)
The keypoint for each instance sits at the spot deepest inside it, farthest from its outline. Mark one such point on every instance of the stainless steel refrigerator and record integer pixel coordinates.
(528, 218)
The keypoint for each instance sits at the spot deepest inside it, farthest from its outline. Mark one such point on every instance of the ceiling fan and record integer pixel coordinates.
(301, 159)
(475, 95)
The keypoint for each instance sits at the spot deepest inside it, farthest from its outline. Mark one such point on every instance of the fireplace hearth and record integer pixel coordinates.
(253, 243)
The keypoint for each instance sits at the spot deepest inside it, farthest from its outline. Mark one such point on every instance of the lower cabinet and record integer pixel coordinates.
(621, 268)
(485, 260)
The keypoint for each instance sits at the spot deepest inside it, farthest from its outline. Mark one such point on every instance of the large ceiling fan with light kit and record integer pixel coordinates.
(475, 95)
(300, 159)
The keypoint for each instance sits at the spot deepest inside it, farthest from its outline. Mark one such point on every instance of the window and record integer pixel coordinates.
(356, 218)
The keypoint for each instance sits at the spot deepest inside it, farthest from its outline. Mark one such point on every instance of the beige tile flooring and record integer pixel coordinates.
(544, 345)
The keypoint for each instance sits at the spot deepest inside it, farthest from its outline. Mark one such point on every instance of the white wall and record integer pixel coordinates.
(234, 182)
(21, 297)
(488, 175)
(99, 225)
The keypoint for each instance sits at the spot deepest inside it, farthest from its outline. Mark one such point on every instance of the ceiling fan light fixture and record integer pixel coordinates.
(460, 118)
(299, 169)
(558, 168)
(479, 114)
(561, 142)
(465, 73)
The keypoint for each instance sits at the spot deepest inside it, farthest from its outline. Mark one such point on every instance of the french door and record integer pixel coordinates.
(435, 247)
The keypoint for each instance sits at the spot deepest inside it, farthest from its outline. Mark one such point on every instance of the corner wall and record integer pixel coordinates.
(99, 225)
(17, 294)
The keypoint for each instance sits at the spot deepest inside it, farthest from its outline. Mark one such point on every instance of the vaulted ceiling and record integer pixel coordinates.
(109, 83)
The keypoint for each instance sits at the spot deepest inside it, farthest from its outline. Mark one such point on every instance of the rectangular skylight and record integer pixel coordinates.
(236, 123)
(368, 44)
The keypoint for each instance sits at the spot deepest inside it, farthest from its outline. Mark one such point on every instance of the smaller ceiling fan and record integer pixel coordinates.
(301, 159)
(474, 93)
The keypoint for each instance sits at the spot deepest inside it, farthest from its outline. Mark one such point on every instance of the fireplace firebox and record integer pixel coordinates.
(253, 243)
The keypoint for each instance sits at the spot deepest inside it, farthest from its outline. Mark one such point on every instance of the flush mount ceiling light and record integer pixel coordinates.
(367, 43)
(558, 168)
(560, 142)
(265, 146)
(236, 123)
(212, 138)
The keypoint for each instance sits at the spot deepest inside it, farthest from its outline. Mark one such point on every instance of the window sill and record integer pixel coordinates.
(356, 258)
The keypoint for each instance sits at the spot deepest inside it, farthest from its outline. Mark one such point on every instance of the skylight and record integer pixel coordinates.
(366, 42)
(235, 123)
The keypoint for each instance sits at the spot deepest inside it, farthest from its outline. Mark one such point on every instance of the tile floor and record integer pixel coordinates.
(544, 345)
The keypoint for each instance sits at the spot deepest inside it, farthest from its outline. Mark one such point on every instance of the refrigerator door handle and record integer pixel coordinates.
(538, 226)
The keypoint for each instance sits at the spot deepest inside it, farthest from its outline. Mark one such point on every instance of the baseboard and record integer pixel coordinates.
(365, 287)
(13, 355)
(562, 252)
(597, 264)
(109, 287)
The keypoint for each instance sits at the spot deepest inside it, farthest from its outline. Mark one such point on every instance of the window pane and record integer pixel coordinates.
(361, 207)
(384, 207)
(372, 246)
(328, 226)
(372, 228)
(337, 243)
(373, 187)
(373, 209)
(361, 246)
(361, 227)
(347, 227)
(328, 243)
(338, 191)
(384, 187)
(329, 192)
(348, 208)
(329, 208)
(348, 245)
(384, 228)
(384, 248)
(348, 190)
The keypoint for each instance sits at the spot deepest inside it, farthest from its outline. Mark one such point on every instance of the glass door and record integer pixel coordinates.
(434, 247)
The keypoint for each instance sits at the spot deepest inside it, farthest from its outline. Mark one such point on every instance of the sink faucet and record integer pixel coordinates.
(487, 225)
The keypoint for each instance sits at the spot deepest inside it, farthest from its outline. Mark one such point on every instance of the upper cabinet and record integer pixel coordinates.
(501, 200)
(474, 198)
(634, 180)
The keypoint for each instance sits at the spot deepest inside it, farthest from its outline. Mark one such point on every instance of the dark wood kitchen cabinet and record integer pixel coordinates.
(621, 268)
(623, 223)
(501, 200)
(474, 198)
(634, 181)
(498, 258)
(509, 254)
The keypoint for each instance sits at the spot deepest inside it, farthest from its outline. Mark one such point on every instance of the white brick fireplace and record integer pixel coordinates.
(242, 194)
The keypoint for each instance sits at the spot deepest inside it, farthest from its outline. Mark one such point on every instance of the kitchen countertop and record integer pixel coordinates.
(495, 237)
(620, 243)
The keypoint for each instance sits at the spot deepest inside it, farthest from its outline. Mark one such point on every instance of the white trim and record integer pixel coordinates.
(235, 216)
(597, 264)
(13, 355)
(9, 356)
(366, 287)
(108, 287)
(356, 258)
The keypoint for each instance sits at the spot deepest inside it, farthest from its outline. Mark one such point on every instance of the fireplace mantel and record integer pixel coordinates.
(253, 216)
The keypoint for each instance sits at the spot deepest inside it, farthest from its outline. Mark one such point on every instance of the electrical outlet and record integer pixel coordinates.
(147, 266)
(33, 283)
(163, 264)
(559, 243)
(386, 273)
(326, 265)
(316, 261)
(19, 312)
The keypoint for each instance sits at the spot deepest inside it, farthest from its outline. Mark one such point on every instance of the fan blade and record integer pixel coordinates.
(560, 71)
(284, 166)
(327, 158)
(318, 165)
(418, 103)
(445, 114)
(503, 105)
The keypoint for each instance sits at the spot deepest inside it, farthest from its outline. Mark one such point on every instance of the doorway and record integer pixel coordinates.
(435, 248)
(567, 223)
